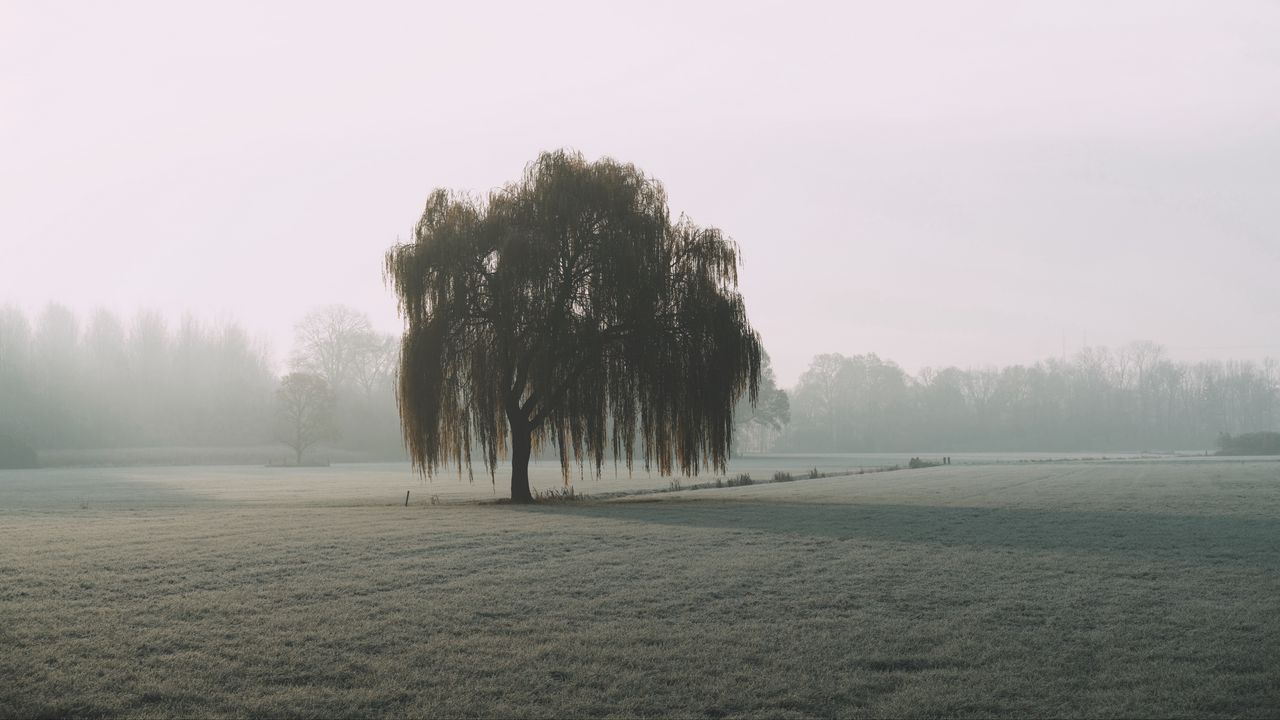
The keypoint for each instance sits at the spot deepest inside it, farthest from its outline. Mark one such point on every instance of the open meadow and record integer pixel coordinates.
(1081, 588)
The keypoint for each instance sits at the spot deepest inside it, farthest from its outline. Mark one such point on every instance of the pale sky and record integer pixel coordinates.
(967, 183)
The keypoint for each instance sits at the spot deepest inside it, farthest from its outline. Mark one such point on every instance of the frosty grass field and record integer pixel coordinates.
(1082, 588)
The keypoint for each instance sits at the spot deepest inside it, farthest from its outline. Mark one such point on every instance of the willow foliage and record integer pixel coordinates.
(569, 308)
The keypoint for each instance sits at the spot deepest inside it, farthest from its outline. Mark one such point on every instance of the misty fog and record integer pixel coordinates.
(82, 389)
(941, 184)
(714, 359)
(76, 389)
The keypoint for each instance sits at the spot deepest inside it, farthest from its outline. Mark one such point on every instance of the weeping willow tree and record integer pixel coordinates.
(569, 308)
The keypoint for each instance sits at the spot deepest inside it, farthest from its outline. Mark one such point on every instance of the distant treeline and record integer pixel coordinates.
(113, 383)
(110, 383)
(1257, 443)
(1131, 399)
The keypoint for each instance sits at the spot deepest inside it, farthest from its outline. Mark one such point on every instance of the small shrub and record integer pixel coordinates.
(674, 484)
(560, 494)
(814, 474)
(781, 476)
(743, 479)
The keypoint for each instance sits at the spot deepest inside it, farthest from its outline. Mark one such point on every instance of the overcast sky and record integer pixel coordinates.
(965, 183)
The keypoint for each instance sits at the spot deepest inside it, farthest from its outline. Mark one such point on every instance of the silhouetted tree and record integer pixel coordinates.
(304, 412)
(569, 307)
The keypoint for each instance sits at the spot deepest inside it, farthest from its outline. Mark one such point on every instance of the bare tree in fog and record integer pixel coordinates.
(333, 342)
(766, 417)
(377, 366)
(304, 412)
(820, 395)
(338, 343)
(568, 307)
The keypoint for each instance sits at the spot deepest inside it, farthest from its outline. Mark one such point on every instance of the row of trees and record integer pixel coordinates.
(107, 382)
(1132, 398)
(113, 383)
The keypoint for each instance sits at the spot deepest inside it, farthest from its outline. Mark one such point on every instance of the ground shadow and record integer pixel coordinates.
(55, 490)
(1181, 538)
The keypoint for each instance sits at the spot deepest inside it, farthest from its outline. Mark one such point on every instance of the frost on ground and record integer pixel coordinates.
(1090, 589)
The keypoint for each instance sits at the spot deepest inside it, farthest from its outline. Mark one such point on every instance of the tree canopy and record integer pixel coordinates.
(569, 307)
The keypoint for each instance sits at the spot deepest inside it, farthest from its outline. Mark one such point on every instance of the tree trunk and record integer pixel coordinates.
(521, 449)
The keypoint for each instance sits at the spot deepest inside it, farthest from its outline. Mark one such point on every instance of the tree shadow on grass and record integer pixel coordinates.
(1195, 539)
(54, 491)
